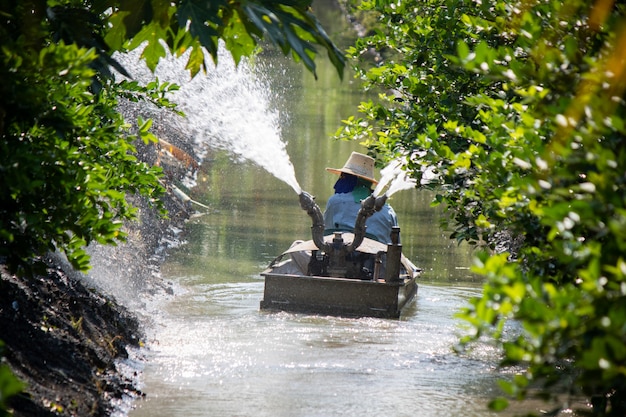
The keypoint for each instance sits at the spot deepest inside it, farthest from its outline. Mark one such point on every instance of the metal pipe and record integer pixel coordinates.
(307, 202)
(369, 206)
(380, 202)
(394, 255)
(366, 210)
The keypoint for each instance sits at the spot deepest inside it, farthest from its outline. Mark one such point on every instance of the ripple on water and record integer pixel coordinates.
(216, 345)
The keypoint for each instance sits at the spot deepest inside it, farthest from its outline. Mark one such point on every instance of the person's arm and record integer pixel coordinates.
(393, 217)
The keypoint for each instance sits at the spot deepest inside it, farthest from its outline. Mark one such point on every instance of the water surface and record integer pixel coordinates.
(212, 352)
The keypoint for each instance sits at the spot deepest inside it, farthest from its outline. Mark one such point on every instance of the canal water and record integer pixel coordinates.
(210, 351)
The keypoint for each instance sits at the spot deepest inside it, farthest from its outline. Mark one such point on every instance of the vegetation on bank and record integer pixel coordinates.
(66, 154)
(518, 108)
(68, 160)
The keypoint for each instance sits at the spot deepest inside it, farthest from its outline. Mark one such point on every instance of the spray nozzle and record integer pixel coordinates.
(373, 203)
(380, 202)
(307, 201)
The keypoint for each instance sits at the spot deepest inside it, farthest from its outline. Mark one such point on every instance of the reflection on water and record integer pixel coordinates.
(254, 217)
(213, 352)
(218, 355)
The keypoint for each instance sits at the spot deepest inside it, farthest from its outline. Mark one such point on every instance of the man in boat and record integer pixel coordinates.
(356, 179)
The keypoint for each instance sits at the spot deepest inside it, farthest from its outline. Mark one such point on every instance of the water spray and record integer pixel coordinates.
(229, 110)
(396, 177)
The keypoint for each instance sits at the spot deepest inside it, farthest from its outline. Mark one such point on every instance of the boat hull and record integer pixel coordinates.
(336, 296)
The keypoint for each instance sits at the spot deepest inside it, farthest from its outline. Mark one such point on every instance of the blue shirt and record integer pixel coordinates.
(342, 210)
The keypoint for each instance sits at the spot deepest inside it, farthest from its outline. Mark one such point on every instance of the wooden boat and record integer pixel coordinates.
(344, 274)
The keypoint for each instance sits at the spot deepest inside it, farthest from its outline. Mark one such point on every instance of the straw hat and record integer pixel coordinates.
(358, 164)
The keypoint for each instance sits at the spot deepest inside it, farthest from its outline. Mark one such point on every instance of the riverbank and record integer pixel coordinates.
(66, 342)
(64, 338)
(72, 338)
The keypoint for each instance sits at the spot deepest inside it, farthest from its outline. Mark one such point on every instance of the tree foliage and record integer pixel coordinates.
(67, 157)
(518, 106)
(197, 24)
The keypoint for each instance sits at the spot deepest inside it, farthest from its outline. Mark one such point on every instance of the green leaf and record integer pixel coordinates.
(9, 386)
(238, 40)
(203, 19)
(462, 50)
(154, 50)
(498, 404)
(116, 37)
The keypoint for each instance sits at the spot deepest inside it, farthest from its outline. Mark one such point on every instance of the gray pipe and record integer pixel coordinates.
(368, 207)
(307, 202)
(394, 256)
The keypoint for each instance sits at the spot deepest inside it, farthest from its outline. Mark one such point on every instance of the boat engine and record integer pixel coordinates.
(339, 258)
